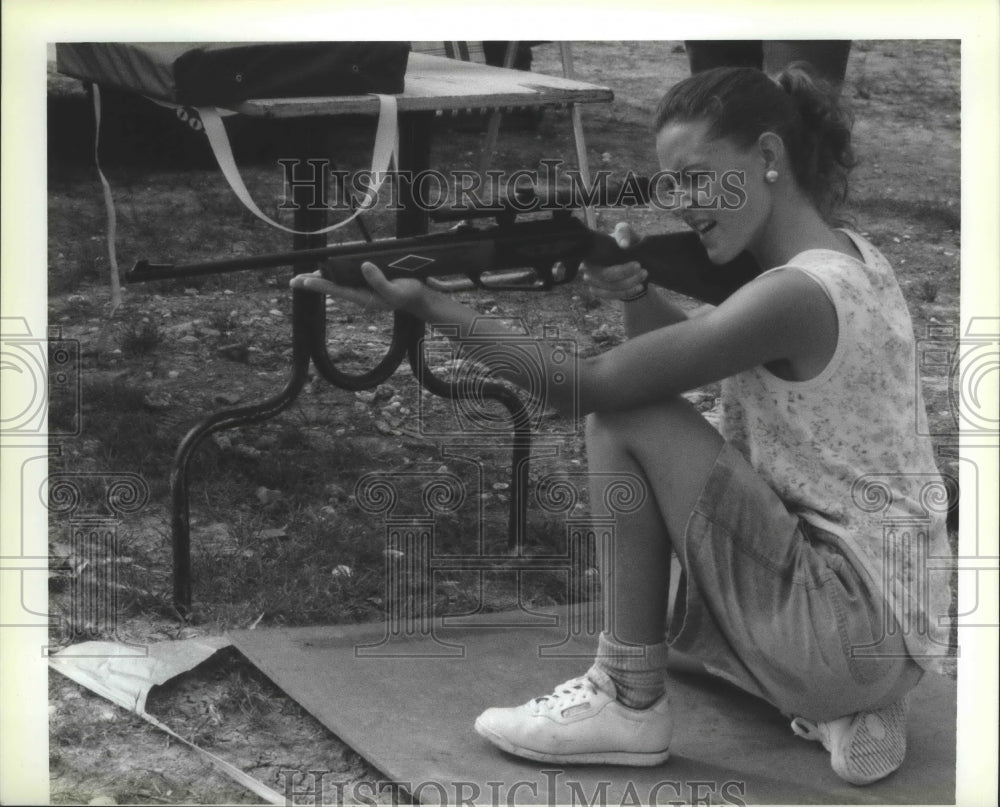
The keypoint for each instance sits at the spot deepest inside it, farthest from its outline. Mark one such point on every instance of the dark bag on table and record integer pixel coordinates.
(208, 77)
(227, 73)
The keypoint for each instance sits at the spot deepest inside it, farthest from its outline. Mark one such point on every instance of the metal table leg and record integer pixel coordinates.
(415, 131)
(307, 308)
(520, 422)
(180, 524)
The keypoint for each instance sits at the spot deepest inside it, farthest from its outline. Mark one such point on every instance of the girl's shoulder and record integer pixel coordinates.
(855, 277)
(868, 253)
(858, 261)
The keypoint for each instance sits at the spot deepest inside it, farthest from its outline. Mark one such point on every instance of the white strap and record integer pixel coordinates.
(386, 150)
(109, 206)
(234, 773)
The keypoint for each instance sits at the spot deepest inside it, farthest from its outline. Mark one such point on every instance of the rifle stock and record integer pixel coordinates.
(678, 261)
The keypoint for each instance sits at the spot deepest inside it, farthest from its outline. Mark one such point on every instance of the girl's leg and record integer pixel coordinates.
(617, 713)
(673, 449)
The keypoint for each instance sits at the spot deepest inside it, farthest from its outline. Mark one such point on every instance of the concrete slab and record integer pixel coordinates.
(407, 704)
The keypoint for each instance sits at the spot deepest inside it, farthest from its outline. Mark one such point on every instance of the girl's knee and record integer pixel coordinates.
(629, 421)
(614, 426)
(599, 423)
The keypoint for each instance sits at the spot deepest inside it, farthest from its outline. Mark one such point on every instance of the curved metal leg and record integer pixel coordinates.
(180, 524)
(520, 421)
(348, 381)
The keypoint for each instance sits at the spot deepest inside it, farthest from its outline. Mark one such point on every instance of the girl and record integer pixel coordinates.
(792, 587)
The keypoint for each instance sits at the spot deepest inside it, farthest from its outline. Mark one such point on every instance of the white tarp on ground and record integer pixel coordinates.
(125, 674)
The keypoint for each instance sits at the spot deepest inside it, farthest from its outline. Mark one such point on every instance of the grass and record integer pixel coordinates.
(116, 414)
(141, 338)
(289, 572)
(277, 558)
(930, 211)
(928, 291)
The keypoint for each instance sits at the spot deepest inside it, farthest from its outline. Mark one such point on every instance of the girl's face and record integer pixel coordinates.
(719, 189)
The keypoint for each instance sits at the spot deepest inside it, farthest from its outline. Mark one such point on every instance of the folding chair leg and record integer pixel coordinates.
(493, 129)
(578, 136)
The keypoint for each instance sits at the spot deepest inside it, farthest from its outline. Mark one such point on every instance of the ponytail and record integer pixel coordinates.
(826, 154)
(741, 103)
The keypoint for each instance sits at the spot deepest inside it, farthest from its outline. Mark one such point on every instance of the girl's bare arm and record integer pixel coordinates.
(783, 316)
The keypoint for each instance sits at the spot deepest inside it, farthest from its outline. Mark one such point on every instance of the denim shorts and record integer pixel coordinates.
(775, 605)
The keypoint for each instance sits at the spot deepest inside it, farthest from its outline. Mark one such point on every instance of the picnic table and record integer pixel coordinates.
(434, 86)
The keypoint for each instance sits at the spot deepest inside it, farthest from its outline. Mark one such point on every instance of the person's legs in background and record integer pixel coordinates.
(704, 54)
(827, 56)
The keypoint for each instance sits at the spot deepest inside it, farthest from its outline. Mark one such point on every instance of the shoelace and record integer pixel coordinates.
(576, 690)
(808, 730)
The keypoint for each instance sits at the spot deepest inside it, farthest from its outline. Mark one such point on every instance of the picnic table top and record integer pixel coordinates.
(436, 83)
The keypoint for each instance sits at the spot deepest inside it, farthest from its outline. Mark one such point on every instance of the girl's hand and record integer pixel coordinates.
(381, 294)
(621, 281)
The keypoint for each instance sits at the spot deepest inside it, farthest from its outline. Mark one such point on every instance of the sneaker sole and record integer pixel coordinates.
(630, 758)
(870, 758)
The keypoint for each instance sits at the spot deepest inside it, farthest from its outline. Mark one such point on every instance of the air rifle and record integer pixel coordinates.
(512, 255)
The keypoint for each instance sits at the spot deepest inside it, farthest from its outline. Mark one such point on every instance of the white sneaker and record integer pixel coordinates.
(864, 747)
(581, 722)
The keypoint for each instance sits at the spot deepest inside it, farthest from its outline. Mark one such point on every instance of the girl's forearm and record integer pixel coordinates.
(650, 312)
(538, 366)
(440, 311)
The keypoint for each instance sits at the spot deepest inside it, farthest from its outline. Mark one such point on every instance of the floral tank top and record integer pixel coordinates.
(848, 450)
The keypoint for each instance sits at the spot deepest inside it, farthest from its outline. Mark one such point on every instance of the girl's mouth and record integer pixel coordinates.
(702, 227)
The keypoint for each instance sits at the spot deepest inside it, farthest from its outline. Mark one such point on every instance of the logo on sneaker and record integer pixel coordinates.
(875, 726)
(576, 709)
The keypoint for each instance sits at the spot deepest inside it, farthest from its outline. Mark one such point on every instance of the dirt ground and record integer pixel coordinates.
(270, 501)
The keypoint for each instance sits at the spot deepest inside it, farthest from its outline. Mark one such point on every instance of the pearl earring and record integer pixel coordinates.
(771, 175)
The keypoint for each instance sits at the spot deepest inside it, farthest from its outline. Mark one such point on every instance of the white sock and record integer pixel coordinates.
(638, 671)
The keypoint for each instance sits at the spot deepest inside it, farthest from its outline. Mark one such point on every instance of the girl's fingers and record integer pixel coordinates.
(388, 293)
(606, 294)
(314, 282)
(378, 282)
(297, 281)
(615, 277)
(624, 235)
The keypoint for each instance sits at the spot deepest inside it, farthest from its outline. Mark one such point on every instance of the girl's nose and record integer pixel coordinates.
(682, 200)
